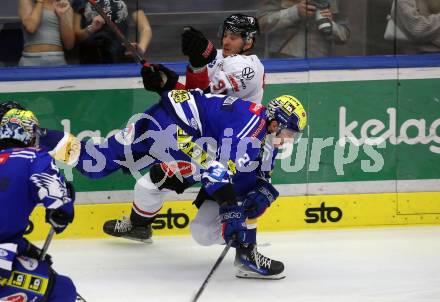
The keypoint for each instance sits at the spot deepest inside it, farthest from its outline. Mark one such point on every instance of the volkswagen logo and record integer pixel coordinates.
(248, 73)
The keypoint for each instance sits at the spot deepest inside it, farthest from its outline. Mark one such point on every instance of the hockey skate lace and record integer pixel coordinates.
(260, 260)
(123, 225)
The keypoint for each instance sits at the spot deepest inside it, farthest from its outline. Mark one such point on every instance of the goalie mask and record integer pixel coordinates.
(244, 25)
(6, 106)
(19, 125)
(289, 113)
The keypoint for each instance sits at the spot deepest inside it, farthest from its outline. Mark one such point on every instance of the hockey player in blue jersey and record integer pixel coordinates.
(173, 131)
(221, 76)
(284, 114)
(29, 176)
(205, 228)
(222, 138)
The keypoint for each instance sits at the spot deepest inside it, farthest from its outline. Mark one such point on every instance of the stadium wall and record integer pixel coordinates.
(370, 156)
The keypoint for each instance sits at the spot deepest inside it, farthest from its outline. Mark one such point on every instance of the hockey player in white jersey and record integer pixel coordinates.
(231, 70)
(228, 71)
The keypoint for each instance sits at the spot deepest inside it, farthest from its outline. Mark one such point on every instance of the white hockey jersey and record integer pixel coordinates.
(241, 76)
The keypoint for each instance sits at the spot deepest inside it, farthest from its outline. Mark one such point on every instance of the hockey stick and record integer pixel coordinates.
(139, 58)
(214, 268)
(49, 237)
(46, 244)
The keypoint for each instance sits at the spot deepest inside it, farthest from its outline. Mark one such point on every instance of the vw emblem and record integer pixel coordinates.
(248, 73)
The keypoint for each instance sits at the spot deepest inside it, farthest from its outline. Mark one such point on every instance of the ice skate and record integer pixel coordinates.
(125, 229)
(249, 263)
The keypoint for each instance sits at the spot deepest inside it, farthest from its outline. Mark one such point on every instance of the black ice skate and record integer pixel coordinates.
(249, 263)
(125, 229)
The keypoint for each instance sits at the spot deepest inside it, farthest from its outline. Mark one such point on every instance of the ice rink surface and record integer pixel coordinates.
(356, 265)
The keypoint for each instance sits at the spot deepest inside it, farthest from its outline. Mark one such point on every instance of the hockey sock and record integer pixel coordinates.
(251, 231)
(138, 220)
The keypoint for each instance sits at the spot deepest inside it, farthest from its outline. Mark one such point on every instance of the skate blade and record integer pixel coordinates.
(252, 275)
(149, 240)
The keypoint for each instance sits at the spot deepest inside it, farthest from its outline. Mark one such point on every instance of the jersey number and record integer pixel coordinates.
(243, 160)
(220, 86)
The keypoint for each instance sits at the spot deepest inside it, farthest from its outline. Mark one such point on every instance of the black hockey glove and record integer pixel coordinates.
(58, 219)
(34, 252)
(199, 50)
(158, 78)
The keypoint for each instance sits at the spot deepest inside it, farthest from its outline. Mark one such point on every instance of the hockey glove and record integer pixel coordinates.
(200, 51)
(58, 219)
(158, 78)
(259, 199)
(32, 251)
(233, 225)
(63, 146)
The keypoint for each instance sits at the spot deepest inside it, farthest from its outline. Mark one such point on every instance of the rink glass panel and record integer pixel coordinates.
(366, 20)
(411, 104)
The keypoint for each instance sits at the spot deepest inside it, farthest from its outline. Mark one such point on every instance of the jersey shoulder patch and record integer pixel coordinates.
(179, 96)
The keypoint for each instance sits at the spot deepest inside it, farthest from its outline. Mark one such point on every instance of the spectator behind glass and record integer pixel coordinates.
(292, 27)
(47, 31)
(97, 42)
(420, 21)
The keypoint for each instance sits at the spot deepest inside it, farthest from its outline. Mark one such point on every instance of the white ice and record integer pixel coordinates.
(356, 265)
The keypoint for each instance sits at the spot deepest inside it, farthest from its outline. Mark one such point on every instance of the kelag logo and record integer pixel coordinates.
(170, 220)
(323, 213)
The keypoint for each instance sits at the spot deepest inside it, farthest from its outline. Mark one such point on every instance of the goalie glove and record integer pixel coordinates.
(158, 78)
(200, 51)
(259, 199)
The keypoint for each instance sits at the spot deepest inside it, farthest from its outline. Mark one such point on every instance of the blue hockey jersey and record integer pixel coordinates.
(186, 126)
(28, 176)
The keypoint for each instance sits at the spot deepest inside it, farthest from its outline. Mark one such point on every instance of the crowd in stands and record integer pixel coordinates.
(55, 29)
